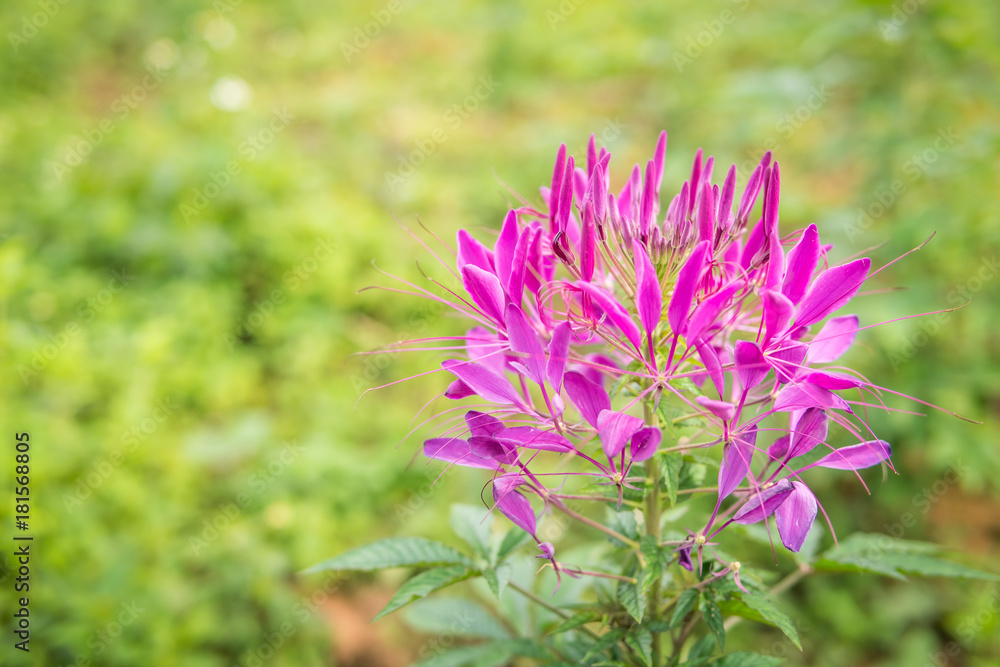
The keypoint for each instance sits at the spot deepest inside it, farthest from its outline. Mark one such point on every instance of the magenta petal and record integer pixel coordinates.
(457, 390)
(512, 504)
(482, 424)
(857, 457)
(795, 516)
(713, 366)
(750, 193)
(524, 341)
(503, 251)
(533, 438)
(778, 311)
(721, 409)
(472, 252)
(645, 443)
(487, 384)
(706, 214)
(684, 290)
(486, 447)
(802, 261)
(558, 172)
(736, 459)
(519, 264)
(809, 429)
(649, 298)
(707, 312)
(457, 451)
(684, 559)
(779, 448)
(558, 355)
(615, 429)
(833, 339)
(485, 290)
(775, 262)
(615, 312)
(832, 381)
(588, 397)
(771, 199)
(726, 199)
(787, 361)
(800, 396)
(831, 290)
(751, 366)
(762, 504)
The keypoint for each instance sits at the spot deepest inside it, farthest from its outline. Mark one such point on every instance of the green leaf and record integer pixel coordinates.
(881, 554)
(670, 471)
(656, 561)
(640, 640)
(472, 523)
(685, 603)
(498, 578)
(514, 538)
(745, 659)
(633, 598)
(424, 584)
(456, 617)
(622, 522)
(607, 640)
(773, 616)
(394, 552)
(700, 652)
(713, 618)
(573, 622)
(692, 475)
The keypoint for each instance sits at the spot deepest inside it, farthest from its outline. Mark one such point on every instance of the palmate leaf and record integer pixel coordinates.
(713, 618)
(685, 603)
(424, 584)
(772, 616)
(745, 659)
(640, 640)
(633, 598)
(881, 554)
(670, 470)
(498, 578)
(513, 539)
(656, 561)
(394, 552)
(700, 652)
(473, 524)
(455, 617)
(479, 655)
(607, 640)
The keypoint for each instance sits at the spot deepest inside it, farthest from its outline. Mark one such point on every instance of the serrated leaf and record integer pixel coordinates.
(514, 538)
(573, 622)
(394, 552)
(640, 640)
(498, 578)
(624, 523)
(881, 554)
(692, 475)
(473, 524)
(424, 584)
(670, 471)
(456, 617)
(656, 561)
(746, 659)
(685, 603)
(633, 598)
(713, 619)
(607, 640)
(773, 616)
(700, 652)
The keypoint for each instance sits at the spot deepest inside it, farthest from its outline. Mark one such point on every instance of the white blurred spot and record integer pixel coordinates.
(219, 33)
(231, 93)
(162, 54)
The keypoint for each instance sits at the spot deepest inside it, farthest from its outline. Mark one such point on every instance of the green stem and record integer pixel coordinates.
(653, 529)
(593, 524)
(555, 610)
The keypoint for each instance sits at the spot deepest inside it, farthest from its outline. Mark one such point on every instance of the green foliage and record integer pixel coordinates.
(394, 552)
(880, 554)
(424, 584)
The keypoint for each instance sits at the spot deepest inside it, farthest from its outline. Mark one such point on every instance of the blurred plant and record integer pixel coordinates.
(702, 326)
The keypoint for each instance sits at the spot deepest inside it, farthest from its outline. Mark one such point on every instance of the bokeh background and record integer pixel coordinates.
(191, 193)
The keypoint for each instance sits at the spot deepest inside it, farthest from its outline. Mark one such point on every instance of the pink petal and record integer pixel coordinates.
(645, 443)
(482, 424)
(736, 458)
(487, 384)
(524, 341)
(503, 251)
(684, 290)
(615, 312)
(809, 429)
(615, 429)
(713, 366)
(649, 298)
(708, 310)
(457, 451)
(512, 504)
(835, 338)
(795, 516)
(558, 355)
(533, 438)
(832, 381)
(787, 361)
(721, 409)
(589, 398)
(802, 261)
(800, 396)
(831, 290)
(485, 290)
(778, 311)
(763, 503)
(857, 457)
(751, 366)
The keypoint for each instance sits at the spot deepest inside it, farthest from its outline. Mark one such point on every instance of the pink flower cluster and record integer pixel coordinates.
(707, 306)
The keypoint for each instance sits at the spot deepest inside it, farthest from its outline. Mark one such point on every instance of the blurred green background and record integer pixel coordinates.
(192, 193)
